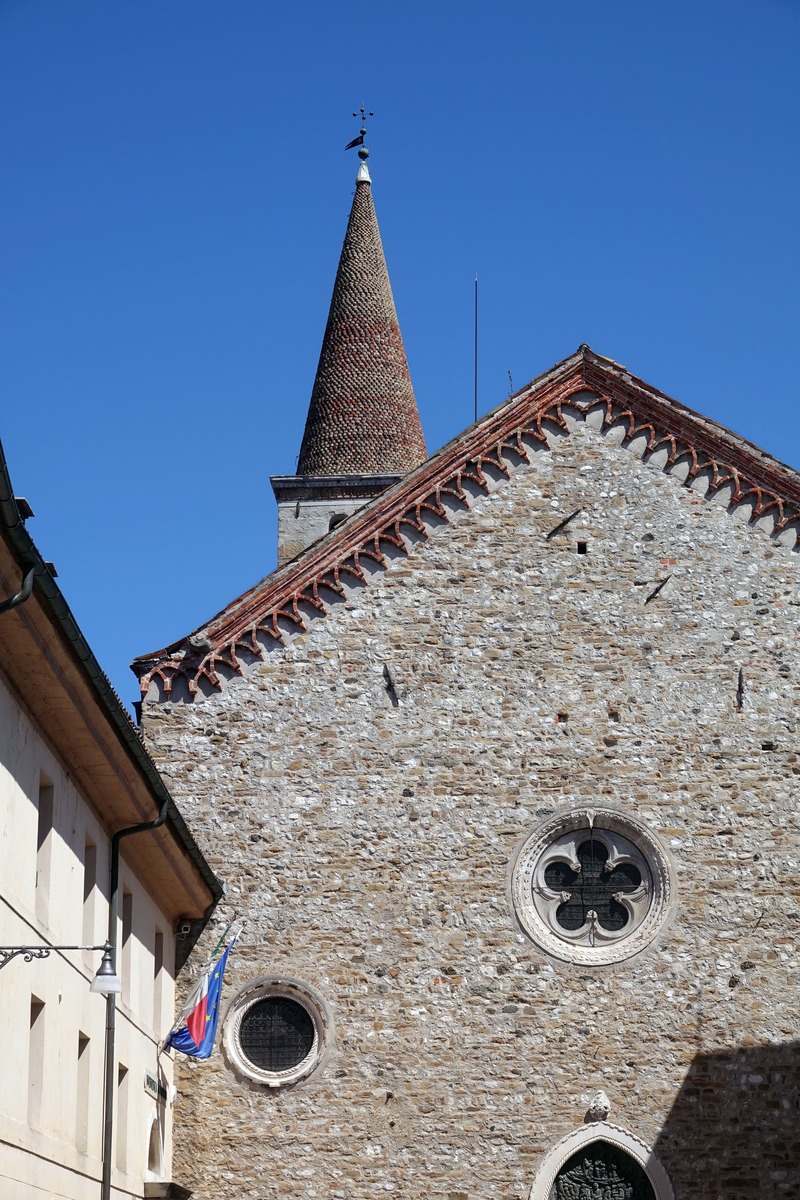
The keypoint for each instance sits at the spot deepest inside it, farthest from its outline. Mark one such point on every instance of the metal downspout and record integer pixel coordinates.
(22, 595)
(111, 1000)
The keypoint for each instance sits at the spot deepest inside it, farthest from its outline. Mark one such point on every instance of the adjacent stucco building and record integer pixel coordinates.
(73, 772)
(504, 762)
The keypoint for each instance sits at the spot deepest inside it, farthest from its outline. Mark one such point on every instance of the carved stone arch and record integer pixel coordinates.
(612, 1135)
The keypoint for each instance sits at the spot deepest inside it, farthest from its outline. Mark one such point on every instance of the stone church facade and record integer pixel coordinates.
(502, 772)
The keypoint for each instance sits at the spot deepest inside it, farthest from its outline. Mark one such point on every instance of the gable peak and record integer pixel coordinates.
(585, 387)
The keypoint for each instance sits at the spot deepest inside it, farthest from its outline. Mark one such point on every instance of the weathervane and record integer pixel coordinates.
(363, 152)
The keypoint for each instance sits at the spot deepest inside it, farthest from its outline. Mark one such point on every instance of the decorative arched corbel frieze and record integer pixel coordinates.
(698, 452)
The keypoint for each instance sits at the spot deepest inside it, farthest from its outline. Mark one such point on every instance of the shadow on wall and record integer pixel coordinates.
(733, 1132)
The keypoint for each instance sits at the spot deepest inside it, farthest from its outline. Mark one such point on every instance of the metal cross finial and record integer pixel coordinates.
(363, 153)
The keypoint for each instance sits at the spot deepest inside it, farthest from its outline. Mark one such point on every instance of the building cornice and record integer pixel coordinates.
(72, 699)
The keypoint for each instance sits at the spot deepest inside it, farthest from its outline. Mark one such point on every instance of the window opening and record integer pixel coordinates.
(591, 885)
(158, 979)
(603, 1172)
(44, 843)
(154, 1148)
(127, 931)
(82, 1095)
(89, 889)
(36, 1062)
(276, 1033)
(121, 1121)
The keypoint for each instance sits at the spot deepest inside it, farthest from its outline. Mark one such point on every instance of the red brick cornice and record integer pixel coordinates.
(286, 600)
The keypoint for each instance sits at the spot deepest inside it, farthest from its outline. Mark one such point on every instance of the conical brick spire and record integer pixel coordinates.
(363, 416)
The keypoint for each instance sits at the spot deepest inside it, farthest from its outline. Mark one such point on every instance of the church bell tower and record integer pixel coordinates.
(362, 431)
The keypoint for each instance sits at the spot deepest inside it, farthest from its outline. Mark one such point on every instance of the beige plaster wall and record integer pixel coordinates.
(368, 843)
(51, 1129)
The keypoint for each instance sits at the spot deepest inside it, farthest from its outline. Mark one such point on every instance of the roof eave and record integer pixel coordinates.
(52, 601)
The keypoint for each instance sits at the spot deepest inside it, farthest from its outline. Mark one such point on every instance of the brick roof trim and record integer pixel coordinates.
(307, 586)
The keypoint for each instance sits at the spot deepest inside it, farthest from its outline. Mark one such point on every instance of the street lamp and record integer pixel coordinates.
(106, 980)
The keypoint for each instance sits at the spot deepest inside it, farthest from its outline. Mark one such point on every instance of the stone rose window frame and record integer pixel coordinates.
(627, 899)
(273, 987)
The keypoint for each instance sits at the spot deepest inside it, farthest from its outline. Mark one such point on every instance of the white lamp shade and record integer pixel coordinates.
(106, 985)
(106, 981)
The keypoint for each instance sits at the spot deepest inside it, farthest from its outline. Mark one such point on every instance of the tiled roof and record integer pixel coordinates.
(701, 453)
(363, 416)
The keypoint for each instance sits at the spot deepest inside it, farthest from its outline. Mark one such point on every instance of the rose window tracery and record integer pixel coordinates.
(595, 885)
(591, 886)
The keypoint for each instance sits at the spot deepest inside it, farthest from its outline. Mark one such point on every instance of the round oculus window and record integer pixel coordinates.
(276, 1031)
(276, 1034)
(591, 886)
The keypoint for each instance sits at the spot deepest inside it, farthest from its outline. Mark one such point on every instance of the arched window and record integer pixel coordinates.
(601, 1161)
(601, 1171)
(154, 1148)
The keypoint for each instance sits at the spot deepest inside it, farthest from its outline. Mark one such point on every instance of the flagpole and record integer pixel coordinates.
(221, 940)
(175, 1025)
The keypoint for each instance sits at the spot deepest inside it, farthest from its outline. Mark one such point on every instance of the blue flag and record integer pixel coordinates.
(196, 1027)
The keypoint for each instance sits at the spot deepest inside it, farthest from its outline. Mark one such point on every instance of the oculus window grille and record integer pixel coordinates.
(277, 1032)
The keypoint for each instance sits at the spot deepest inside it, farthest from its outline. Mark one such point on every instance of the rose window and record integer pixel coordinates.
(591, 886)
(596, 883)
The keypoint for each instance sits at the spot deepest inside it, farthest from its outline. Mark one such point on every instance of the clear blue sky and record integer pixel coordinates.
(174, 197)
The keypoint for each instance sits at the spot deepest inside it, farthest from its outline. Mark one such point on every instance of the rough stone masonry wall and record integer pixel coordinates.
(369, 846)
